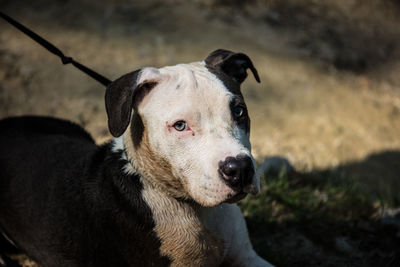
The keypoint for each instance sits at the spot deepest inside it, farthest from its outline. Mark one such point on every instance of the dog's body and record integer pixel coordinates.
(156, 194)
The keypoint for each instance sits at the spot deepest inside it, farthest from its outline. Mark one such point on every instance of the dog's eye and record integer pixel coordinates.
(180, 125)
(238, 111)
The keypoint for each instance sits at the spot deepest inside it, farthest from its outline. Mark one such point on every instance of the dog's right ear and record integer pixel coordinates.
(125, 94)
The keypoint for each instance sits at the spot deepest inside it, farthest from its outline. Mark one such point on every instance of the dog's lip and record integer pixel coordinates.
(236, 198)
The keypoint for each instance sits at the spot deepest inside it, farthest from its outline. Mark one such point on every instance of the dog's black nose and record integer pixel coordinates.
(237, 172)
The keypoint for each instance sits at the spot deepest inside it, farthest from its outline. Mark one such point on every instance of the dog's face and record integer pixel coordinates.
(190, 127)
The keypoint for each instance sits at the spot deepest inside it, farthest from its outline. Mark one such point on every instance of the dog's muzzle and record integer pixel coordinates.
(238, 173)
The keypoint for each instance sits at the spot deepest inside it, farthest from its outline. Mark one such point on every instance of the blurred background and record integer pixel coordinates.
(328, 104)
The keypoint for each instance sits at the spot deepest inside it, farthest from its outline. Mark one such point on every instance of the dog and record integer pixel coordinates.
(162, 192)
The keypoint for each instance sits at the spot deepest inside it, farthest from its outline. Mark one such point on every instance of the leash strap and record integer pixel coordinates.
(53, 49)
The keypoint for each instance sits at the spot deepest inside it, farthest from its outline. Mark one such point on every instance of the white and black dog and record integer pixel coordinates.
(161, 193)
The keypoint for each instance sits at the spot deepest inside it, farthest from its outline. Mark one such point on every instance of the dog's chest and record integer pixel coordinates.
(184, 238)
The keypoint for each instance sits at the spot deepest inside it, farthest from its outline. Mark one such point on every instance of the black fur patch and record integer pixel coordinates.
(137, 129)
(67, 202)
(244, 120)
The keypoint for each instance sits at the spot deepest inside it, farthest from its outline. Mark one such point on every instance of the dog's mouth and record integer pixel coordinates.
(236, 198)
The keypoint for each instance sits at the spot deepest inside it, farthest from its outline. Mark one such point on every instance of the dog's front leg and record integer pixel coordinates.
(227, 222)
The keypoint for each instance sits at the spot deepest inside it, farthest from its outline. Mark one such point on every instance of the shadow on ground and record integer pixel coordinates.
(325, 218)
(378, 174)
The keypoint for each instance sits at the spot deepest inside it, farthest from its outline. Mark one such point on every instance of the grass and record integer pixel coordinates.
(308, 197)
(318, 219)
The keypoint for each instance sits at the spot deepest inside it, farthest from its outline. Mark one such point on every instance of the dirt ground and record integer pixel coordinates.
(330, 92)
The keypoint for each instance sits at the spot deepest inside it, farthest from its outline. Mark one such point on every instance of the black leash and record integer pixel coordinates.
(50, 47)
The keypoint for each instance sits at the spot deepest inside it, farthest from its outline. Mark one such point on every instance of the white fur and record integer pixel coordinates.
(190, 92)
(227, 222)
(118, 145)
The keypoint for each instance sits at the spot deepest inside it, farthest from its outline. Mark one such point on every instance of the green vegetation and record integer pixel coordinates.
(302, 198)
(304, 219)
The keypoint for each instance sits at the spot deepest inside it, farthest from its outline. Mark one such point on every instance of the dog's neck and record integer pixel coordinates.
(144, 161)
(178, 220)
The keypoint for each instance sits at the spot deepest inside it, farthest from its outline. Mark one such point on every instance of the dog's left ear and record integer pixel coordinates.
(125, 94)
(235, 65)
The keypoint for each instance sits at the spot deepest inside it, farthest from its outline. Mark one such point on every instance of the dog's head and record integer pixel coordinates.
(186, 127)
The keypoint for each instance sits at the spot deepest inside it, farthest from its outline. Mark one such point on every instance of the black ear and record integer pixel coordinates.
(123, 95)
(233, 64)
